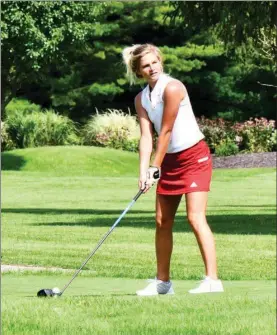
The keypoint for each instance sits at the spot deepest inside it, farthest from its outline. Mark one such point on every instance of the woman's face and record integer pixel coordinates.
(150, 67)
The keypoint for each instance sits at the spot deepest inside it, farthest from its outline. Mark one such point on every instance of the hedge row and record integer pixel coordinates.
(120, 131)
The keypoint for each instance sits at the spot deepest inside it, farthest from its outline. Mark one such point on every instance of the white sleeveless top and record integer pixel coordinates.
(185, 132)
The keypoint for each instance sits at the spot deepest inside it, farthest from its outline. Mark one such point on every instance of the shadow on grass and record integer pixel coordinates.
(58, 211)
(244, 206)
(11, 162)
(264, 224)
(103, 212)
(221, 224)
(254, 224)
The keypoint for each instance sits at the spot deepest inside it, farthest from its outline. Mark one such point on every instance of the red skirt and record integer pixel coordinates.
(186, 171)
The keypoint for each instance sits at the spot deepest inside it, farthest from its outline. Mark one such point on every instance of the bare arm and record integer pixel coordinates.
(174, 93)
(146, 140)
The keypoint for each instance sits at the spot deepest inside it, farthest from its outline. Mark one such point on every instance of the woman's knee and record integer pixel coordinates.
(164, 223)
(196, 220)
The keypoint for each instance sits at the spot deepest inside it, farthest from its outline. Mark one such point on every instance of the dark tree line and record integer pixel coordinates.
(67, 55)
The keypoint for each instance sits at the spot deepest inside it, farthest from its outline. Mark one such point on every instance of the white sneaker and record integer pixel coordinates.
(208, 285)
(156, 287)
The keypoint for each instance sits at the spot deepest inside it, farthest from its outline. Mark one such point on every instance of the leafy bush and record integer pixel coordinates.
(258, 135)
(21, 106)
(41, 129)
(6, 142)
(273, 140)
(216, 131)
(112, 129)
(226, 148)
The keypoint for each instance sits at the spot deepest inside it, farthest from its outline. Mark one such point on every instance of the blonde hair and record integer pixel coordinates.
(132, 55)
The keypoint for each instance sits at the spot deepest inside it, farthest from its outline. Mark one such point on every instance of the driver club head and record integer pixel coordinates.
(47, 292)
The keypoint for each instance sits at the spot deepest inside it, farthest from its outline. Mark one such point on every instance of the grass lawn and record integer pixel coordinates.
(57, 203)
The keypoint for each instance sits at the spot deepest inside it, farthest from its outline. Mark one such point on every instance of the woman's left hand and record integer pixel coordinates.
(153, 174)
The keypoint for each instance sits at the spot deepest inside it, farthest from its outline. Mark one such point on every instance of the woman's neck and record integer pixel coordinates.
(152, 84)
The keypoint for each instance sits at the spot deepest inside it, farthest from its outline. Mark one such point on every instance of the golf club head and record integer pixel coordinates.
(47, 292)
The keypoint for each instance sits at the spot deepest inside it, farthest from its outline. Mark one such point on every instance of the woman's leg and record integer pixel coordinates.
(196, 204)
(166, 207)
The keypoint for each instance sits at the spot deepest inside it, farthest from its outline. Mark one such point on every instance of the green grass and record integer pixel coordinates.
(58, 202)
(74, 161)
(108, 306)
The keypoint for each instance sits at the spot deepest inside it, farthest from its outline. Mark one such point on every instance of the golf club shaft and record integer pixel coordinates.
(103, 239)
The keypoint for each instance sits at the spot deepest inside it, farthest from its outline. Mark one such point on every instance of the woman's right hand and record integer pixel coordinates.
(149, 178)
(142, 183)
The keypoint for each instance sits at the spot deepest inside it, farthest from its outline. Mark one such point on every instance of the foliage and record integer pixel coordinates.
(21, 106)
(226, 148)
(115, 130)
(40, 129)
(6, 141)
(215, 131)
(69, 57)
(112, 129)
(234, 23)
(38, 38)
(179, 61)
(258, 135)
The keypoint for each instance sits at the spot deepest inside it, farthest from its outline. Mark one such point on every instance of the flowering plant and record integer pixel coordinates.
(253, 135)
(216, 131)
(256, 135)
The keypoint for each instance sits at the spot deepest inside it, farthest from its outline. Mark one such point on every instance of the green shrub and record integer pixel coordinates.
(216, 131)
(273, 140)
(112, 129)
(6, 141)
(226, 148)
(21, 106)
(258, 135)
(41, 129)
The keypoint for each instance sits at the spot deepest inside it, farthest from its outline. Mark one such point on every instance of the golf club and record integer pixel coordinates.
(55, 292)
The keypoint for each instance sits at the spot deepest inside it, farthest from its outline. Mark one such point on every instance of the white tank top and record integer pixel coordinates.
(185, 132)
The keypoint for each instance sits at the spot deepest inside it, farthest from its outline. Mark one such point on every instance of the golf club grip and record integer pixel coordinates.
(103, 239)
(138, 195)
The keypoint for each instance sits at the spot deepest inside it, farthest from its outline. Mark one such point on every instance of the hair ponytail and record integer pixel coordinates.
(127, 55)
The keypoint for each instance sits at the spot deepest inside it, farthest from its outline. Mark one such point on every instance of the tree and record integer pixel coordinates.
(101, 73)
(235, 22)
(67, 56)
(38, 38)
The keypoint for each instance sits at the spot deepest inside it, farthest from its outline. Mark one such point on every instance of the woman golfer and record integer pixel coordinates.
(181, 162)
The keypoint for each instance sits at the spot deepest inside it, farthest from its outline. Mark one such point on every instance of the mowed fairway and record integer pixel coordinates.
(57, 203)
